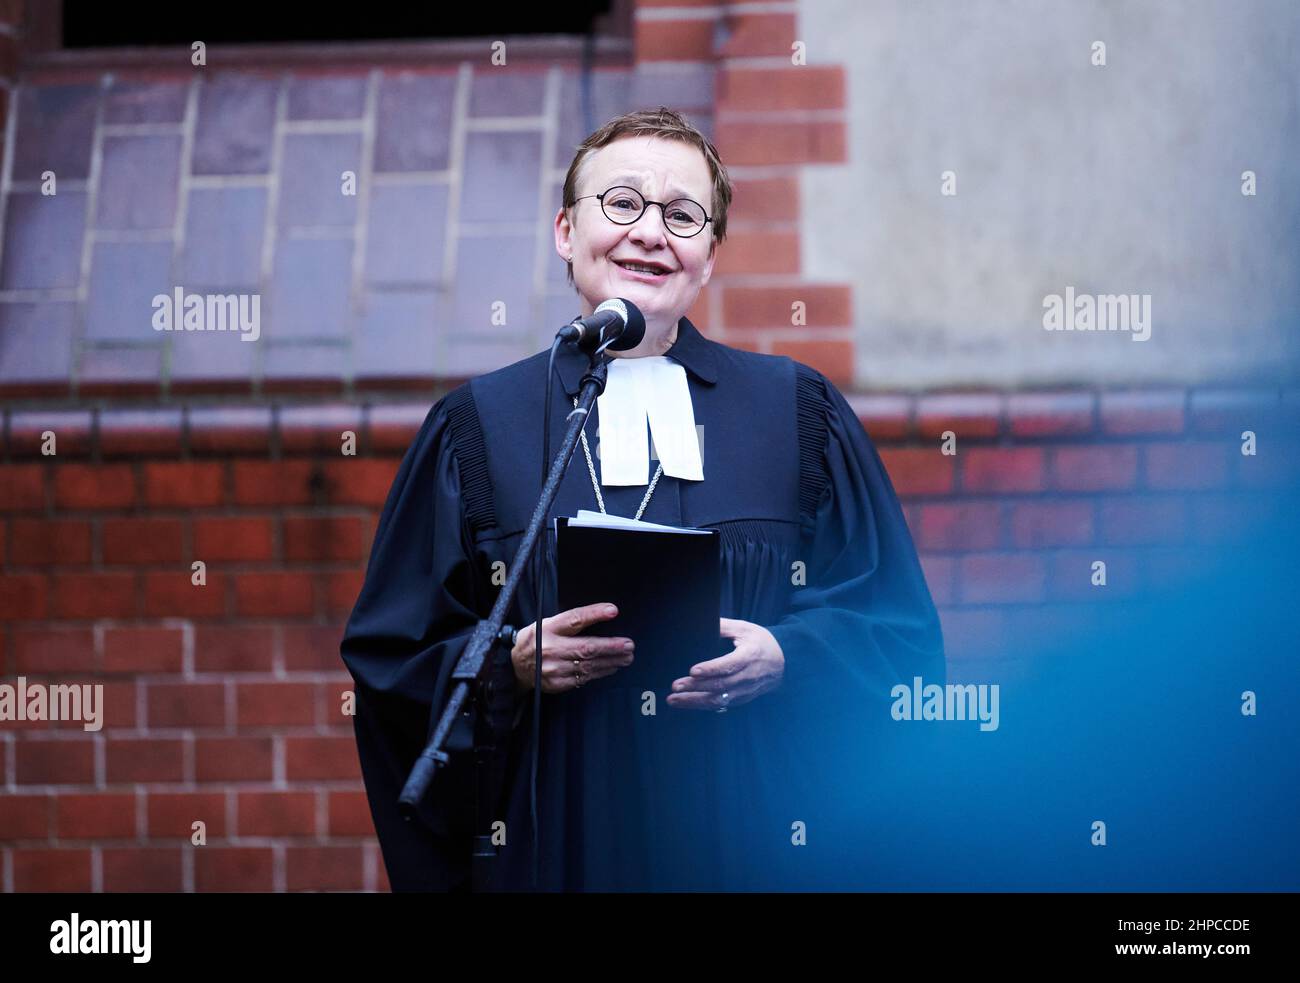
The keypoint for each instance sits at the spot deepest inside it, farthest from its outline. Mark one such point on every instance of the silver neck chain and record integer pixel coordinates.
(596, 484)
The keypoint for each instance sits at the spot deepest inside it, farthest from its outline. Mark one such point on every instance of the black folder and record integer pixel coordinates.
(666, 585)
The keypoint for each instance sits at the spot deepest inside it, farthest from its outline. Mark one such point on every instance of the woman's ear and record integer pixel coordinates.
(563, 236)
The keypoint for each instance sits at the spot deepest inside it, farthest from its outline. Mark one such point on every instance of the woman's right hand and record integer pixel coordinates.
(568, 659)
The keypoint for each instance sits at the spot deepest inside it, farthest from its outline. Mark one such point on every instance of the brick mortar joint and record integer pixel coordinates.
(178, 436)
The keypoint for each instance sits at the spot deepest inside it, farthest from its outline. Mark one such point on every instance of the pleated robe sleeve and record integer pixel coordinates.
(864, 620)
(417, 608)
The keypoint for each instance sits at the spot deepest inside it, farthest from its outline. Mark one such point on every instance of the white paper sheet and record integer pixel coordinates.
(586, 517)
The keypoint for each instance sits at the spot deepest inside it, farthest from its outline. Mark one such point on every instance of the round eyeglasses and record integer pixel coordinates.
(623, 206)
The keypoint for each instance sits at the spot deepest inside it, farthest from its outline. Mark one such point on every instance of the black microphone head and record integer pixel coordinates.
(633, 323)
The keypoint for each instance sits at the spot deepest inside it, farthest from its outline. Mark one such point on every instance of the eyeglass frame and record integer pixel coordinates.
(646, 203)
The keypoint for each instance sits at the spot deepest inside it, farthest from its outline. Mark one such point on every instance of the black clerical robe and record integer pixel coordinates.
(813, 546)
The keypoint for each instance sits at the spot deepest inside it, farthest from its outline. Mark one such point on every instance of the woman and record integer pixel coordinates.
(823, 601)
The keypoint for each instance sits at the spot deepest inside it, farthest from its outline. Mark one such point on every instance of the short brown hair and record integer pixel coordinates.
(667, 124)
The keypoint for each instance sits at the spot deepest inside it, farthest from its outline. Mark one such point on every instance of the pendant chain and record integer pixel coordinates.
(596, 485)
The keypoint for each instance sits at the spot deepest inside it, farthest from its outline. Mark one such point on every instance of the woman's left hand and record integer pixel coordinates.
(753, 667)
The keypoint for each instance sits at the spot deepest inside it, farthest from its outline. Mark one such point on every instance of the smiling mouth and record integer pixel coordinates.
(647, 269)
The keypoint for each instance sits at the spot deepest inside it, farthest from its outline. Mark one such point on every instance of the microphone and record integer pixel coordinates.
(618, 319)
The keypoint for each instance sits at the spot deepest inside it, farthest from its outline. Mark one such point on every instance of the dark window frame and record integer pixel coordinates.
(42, 52)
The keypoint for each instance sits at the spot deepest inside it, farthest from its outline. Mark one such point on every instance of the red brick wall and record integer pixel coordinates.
(224, 701)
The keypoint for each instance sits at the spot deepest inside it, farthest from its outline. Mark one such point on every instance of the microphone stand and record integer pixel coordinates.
(474, 667)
